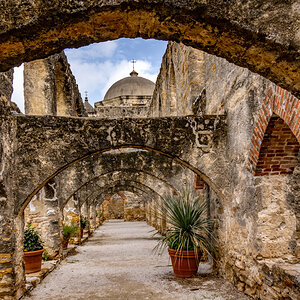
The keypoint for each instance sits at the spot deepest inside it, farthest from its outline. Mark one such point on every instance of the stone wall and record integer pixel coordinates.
(50, 88)
(44, 215)
(257, 227)
(6, 90)
(112, 112)
(6, 85)
(180, 82)
(134, 207)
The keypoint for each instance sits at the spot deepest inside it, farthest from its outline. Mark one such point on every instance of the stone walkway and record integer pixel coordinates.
(117, 263)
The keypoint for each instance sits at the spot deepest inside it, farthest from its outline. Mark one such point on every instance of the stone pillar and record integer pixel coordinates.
(39, 88)
(6, 85)
(93, 216)
(71, 213)
(86, 215)
(98, 221)
(149, 213)
(44, 214)
(105, 208)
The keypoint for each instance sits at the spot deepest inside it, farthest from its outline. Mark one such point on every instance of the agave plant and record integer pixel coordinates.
(189, 226)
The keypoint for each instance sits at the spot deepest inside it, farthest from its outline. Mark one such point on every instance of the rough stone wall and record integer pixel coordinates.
(115, 207)
(6, 89)
(44, 215)
(257, 230)
(50, 88)
(134, 207)
(112, 112)
(6, 85)
(180, 82)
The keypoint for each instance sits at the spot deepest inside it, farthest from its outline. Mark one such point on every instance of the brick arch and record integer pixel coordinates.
(283, 104)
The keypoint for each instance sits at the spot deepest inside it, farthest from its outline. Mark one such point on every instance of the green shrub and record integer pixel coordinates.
(45, 256)
(69, 230)
(83, 222)
(32, 240)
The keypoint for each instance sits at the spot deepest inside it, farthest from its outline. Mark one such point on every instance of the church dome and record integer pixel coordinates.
(130, 86)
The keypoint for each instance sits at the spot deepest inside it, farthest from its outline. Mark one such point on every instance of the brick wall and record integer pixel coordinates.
(272, 134)
(279, 150)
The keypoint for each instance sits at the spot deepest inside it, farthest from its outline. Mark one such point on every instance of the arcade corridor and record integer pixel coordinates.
(117, 263)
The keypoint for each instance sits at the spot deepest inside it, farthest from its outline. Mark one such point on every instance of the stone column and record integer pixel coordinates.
(86, 215)
(39, 88)
(44, 214)
(72, 213)
(149, 213)
(93, 216)
(98, 221)
(105, 208)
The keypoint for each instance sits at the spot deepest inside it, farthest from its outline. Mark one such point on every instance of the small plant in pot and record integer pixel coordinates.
(68, 232)
(83, 223)
(188, 235)
(33, 250)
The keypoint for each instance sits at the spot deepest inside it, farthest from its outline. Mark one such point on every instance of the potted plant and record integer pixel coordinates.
(68, 232)
(83, 223)
(188, 235)
(33, 250)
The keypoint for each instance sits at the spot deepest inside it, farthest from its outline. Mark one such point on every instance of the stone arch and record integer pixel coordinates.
(127, 173)
(130, 186)
(62, 148)
(223, 28)
(281, 103)
(205, 178)
(161, 167)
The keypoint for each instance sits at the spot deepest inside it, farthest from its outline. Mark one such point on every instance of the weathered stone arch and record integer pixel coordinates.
(101, 182)
(45, 148)
(284, 105)
(90, 187)
(126, 185)
(77, 176)
(262, 36)
(118, 190)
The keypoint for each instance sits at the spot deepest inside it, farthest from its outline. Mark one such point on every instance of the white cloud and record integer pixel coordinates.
(18, 86)
(94, 51)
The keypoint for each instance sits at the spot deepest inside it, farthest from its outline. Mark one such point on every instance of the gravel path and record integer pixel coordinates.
(117, 263)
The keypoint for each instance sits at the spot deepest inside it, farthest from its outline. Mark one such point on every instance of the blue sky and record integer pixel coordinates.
(96, 67)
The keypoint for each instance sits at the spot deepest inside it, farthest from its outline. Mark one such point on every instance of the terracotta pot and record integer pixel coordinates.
(185, 263)
(33, 261)
(65, 243)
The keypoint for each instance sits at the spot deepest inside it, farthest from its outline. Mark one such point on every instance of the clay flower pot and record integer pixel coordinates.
(65, 243)
(185, 263)
(33, 261)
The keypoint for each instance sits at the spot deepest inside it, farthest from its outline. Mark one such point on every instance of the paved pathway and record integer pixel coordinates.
(117, 263)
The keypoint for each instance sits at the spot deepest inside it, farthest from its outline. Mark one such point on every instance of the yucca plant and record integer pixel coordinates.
(189, 226)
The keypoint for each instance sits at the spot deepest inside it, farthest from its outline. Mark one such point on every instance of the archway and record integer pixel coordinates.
(205, 25)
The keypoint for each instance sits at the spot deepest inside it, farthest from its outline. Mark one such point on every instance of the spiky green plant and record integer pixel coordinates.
(189, 228)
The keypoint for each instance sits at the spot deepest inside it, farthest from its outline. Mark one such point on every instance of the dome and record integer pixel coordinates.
(130, 86)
